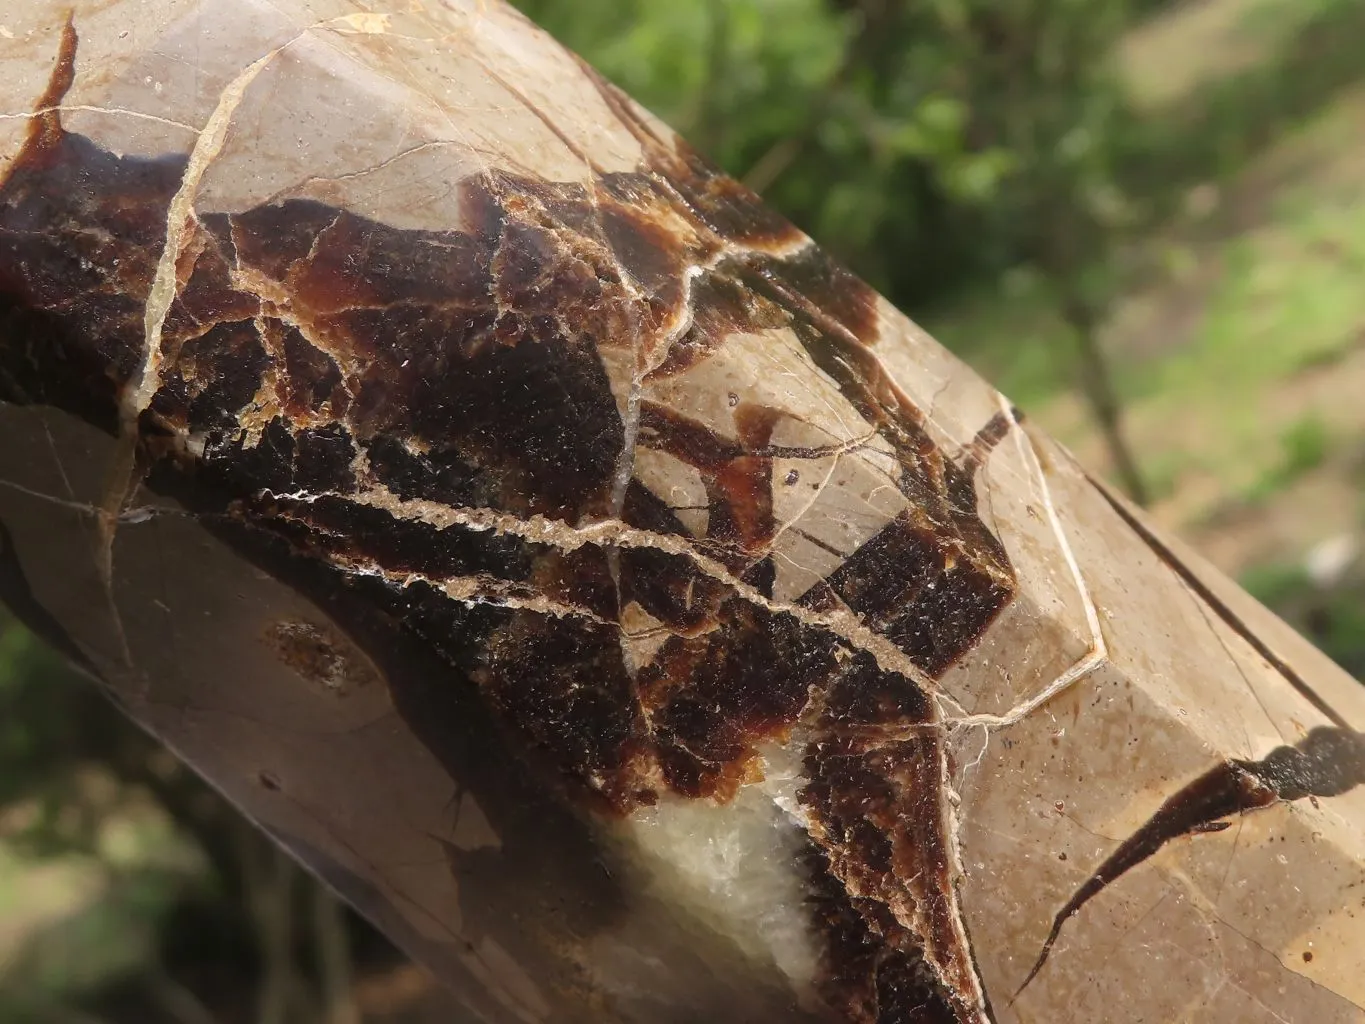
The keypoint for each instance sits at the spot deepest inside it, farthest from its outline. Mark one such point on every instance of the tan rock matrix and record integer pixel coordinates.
(606, 592)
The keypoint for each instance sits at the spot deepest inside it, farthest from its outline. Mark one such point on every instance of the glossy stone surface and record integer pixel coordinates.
(602, 589)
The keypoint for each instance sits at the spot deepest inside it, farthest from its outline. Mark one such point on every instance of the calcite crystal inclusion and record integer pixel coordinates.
(603, 589)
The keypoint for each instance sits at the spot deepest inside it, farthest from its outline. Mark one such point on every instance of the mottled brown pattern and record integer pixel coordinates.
(321, 656)
(879, 806)
(361, 393)
(874, 969)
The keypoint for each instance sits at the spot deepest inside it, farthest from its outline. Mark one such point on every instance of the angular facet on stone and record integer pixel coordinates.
(605, 591)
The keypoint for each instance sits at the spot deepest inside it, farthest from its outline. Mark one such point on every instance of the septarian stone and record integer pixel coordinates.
(600, 587)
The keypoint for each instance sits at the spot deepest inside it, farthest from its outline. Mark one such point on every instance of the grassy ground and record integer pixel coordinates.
(71, 921)
(1209, 41)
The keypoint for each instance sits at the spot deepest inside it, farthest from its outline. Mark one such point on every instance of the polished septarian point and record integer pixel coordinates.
(600, 587)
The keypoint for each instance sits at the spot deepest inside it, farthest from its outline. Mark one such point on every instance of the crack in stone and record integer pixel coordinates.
(1329, 761)
(1098, 652)
(468, 589)
(844, 625)
(86, 108)
(1220, 607)
(837, 451)
(180, 217)
(681, 323)
(952, 827)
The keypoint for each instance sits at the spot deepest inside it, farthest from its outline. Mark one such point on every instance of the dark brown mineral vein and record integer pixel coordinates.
(319, 368)
(1327, 762)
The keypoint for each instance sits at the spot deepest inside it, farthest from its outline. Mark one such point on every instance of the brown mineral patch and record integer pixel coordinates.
(45, 131)
(321, 656)
(872, 968)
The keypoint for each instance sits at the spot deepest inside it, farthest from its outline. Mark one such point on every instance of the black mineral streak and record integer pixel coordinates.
(1328, 761)
(1220, 607)
(463, 371)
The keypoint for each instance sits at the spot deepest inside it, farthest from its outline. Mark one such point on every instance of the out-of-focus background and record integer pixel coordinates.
(1143, 220)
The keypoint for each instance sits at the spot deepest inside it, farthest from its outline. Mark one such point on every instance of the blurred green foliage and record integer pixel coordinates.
(129, 889)
(1332, 616)
(945, 147)
(932, 143)
(924, 142)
